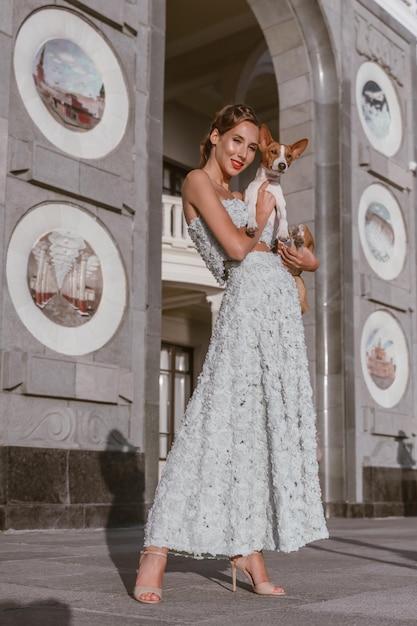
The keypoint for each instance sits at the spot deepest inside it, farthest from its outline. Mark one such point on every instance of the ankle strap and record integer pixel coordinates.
(150, 551)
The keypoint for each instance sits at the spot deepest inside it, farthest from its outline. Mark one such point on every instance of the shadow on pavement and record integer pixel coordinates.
(123, 475)
(405, 554)
(45, 613)
(124, 479)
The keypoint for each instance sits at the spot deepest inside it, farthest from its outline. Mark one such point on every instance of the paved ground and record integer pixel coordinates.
(364, 575)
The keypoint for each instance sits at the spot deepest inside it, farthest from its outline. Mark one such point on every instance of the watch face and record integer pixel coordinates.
(382, 231)
(384, 357)
(379, 108)
(66, 278)
(71, 83)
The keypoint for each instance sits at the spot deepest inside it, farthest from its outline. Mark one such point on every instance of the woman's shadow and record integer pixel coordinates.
(123, 473)
(407, 462)
(46, 612)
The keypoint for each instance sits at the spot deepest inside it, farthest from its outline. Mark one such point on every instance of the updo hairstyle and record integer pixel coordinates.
(226, 119)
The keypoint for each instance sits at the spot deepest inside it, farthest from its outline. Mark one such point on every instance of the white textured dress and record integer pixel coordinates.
(242, 474)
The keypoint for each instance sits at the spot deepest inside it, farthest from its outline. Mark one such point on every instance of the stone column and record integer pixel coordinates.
(329, 373)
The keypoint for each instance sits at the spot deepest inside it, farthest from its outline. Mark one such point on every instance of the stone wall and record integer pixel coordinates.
(58, 488)
(80, 354)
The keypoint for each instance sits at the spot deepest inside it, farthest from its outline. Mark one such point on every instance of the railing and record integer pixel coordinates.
(174, 226)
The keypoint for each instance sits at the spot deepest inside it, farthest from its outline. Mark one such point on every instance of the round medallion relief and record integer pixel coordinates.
(66, 278)
(71, 83)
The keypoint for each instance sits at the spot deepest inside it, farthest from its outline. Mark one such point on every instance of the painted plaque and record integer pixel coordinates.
(66, 278)
(379, 108)
(384, 358)
(71, 83)
(382, 231)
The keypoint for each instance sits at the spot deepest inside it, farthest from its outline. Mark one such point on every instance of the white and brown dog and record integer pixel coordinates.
(276, 159)
(300, 237)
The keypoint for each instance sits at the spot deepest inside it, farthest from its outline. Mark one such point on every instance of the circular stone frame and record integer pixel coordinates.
(389, 144)
(382, 323)
(95, 333)
(56, 23)
(390, 269)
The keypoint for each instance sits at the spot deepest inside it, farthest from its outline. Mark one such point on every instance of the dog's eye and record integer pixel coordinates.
(274, 152)
(288, 156)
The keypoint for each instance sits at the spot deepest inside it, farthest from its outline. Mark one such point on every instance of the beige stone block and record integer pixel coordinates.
(296, 115)
(290, 64)
(49, 377)
(113, 11)
(97, 381)
(284, 37)
(295, 91)
(293, 134)
(3, 158)
(14, 368)
(300, 176)
(269, 14)
(52, 169)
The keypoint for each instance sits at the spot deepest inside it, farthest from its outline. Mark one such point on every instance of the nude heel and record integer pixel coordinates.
(140, 590)
(233, 568)
(263, 589)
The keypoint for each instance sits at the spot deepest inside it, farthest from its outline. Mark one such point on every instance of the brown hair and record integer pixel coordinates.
(226, 119)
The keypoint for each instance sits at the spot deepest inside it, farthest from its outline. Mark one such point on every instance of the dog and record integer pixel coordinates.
(276, 159)
(300, 236)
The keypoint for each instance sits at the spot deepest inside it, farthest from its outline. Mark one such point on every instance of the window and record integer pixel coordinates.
(173, 178)
(175, 382)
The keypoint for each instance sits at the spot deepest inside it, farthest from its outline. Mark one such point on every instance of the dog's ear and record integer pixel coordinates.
(298, 148)
(265, 136)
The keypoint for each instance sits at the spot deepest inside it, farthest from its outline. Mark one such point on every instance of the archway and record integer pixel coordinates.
(216, 58)
(304, 63)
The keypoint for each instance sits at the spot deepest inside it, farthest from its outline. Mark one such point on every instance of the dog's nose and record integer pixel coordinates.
(282, 166)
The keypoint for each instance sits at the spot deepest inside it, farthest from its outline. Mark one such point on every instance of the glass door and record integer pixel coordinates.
(175, 381)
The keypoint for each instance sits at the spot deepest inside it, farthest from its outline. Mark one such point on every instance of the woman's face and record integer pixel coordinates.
(235, 150)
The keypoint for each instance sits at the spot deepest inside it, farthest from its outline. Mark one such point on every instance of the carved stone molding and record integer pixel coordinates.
(53, 427)
(97, 429)
(375, 46)
(70, 428)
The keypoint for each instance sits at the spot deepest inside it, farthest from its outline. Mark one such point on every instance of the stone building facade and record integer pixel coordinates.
(106, 309)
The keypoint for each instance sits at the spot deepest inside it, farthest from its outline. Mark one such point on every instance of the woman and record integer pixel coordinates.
(242, 474)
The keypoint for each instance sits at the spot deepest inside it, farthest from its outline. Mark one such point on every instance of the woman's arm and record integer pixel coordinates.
(303, 259)
(200, 198)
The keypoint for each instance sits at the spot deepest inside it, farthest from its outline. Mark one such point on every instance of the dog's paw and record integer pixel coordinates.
(252, 227)
(297, 234)
(283, 234)
(284, 238)
(251, 230)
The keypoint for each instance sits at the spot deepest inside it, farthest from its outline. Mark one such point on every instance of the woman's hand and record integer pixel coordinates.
(298, 260)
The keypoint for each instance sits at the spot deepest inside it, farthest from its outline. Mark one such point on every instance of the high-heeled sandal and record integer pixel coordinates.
(140, 590)
(263, 589)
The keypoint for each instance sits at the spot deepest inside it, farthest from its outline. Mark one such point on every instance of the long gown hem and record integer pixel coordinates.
(179, 550)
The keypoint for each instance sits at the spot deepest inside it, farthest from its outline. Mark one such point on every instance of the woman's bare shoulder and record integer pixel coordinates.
(196, 176)
(196, 185)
